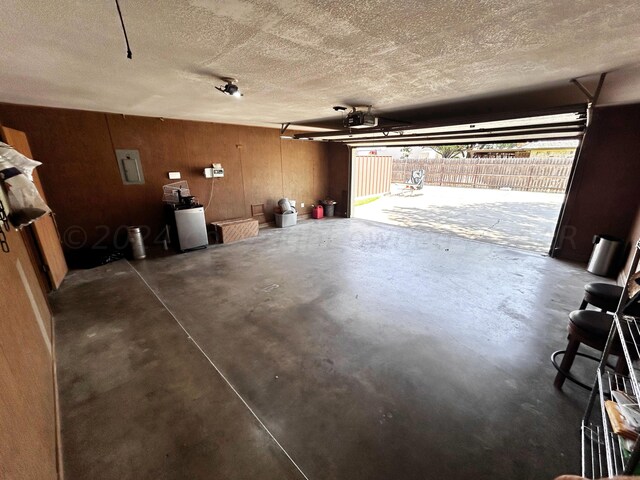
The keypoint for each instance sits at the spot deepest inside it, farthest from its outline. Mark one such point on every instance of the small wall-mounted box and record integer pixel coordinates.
(215, 171)
(174, 176)
(130, 167)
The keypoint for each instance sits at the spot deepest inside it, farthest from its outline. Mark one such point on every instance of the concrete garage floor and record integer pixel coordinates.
(368, 351)
(516, 219)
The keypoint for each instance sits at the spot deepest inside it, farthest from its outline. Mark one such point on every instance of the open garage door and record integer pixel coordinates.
(560, 123)
(499, 180)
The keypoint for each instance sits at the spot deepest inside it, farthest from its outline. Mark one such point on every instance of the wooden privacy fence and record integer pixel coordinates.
(529, 174)
(372, 175)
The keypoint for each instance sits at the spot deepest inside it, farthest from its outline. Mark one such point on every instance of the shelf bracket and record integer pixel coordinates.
(283, 127)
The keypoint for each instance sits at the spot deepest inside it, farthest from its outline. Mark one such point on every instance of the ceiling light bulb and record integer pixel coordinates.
(230, 88)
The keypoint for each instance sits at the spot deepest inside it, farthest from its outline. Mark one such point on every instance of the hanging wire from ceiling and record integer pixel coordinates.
(124, 30)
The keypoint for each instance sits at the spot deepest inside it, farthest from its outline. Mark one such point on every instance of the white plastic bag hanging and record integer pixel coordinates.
(24, 199)
(18, 160)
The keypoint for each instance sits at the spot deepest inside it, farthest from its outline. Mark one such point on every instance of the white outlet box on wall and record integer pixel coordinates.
(215, 171)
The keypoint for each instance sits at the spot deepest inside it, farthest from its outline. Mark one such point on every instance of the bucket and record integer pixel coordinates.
(137, 245)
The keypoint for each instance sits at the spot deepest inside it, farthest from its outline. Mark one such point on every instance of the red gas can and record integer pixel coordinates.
(317, 212)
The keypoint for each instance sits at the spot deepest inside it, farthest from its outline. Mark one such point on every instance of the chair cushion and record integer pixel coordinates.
(604, 290)
(592, 322)
(607, 296)
(603, 295)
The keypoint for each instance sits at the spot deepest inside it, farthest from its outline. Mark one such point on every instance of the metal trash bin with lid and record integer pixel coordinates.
(605, 255)
(136, 242)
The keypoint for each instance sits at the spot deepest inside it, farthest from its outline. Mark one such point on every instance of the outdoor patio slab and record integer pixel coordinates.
(524, 220)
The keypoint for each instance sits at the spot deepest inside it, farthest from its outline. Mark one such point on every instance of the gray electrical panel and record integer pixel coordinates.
(130, 167)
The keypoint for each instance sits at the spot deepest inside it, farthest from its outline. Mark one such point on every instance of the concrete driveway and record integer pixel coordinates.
(524, 220)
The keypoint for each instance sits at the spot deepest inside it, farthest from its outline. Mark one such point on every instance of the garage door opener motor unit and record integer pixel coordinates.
(360, 119)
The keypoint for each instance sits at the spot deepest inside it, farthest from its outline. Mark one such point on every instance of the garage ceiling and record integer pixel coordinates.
(296, 58)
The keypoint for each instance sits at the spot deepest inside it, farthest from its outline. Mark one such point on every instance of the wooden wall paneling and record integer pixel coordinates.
(603, 198)
(27, 403)
(261, 168)
(298, 165)
(49, 256)
(338, 171)
(80, 182)
(320, 172)
(208, 143)
(632, 238)
(161, 145)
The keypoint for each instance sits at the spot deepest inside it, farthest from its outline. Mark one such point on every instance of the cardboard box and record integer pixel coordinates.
(234, 230)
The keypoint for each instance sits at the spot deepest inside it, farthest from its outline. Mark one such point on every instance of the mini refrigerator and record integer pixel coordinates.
(191, 228)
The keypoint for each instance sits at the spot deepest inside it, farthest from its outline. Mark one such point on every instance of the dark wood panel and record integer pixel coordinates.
(82, 180)
(321, 172)
(46, 234)
(298, 173)
(603, 197)
(162, 149)
(208, 143)
(632, 238)
(338, 168)
(80, 175)
(304, 167)
(27, 403)
(261, 168)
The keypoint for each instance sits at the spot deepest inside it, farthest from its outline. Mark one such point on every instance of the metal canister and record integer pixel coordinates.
(605, 256)
(137, 245)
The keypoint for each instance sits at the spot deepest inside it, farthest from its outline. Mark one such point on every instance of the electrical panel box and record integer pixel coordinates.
(130, 167)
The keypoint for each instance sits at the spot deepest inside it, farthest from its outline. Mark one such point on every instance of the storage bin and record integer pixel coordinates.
(286, 219)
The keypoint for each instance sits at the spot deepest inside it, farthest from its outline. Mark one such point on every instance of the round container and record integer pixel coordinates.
(329, 209)
(137, 245)
(605, 255)
(285, 205)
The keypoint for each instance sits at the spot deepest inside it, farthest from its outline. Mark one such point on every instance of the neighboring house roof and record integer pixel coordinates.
(549, 144)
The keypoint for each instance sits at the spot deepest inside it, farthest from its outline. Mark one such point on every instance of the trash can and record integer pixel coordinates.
(329, 209)
(605, 254)
(137, 245)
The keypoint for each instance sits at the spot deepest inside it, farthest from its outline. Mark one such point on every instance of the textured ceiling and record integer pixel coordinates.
(296, 58)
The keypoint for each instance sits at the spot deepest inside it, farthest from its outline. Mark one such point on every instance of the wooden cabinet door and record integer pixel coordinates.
(44, 229)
